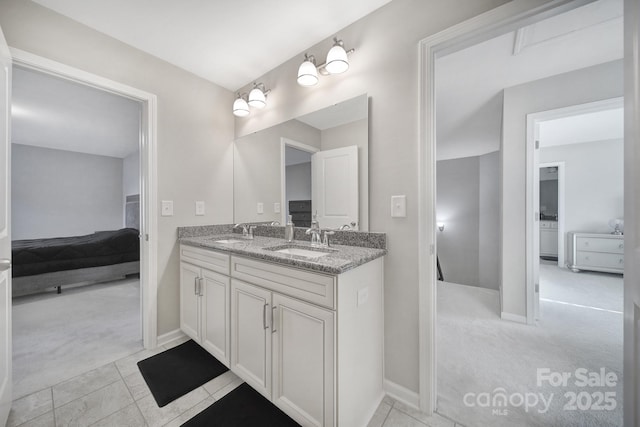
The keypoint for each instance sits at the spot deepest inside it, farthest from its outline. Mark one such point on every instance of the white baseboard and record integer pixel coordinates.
(402, 394)
(513, 317)
(169, 336)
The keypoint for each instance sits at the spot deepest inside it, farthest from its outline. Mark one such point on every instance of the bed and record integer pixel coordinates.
(39, 264)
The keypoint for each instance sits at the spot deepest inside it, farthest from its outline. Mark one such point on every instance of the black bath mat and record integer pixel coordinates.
(242, 407)
(179, 370)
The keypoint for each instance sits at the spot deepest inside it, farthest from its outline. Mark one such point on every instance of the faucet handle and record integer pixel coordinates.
(325, 240)
(251, 229)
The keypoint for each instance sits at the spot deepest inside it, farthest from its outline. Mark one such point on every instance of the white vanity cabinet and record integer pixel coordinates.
(549, 238)
(310, 342)
(204, 299)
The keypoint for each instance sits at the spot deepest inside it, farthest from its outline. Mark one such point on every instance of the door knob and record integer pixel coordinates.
(5, 264)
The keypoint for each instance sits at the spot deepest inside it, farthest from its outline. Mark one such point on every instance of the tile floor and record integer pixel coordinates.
(117, 395)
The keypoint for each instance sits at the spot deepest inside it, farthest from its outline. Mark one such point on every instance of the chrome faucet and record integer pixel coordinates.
(345, 227)
(247, 230)
(325, 239)
(315, 232)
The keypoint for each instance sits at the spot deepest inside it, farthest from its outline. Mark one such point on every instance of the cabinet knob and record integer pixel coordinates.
(621, 260)
(621, 245)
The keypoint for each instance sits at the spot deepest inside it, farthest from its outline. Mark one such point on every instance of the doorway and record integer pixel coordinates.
(146, 175)
(296, 181)
(482, 28)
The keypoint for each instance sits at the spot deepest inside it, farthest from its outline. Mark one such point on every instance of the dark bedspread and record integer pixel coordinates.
(39, 256)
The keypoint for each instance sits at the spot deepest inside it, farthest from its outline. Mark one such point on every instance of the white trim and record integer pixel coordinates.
(148, 171)
(532, 190)
(170, 336)
(283, 171)
(513, 317)
(401, 394)
(508, 17)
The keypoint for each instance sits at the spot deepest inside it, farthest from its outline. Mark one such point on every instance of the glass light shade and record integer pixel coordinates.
(337, 61)
(257, 98)
(240, 108)
(307, 74)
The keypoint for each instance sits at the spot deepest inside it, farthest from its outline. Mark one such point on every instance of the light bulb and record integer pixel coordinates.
(257, 98)
(307, 73)
(240, 107)
(337, 61)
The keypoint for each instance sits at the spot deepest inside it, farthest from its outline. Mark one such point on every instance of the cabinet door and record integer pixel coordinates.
(303, 361)
(189, 301)
(215, 315)
(251, 336)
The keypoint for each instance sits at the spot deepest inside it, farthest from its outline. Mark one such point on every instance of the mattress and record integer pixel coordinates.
(39, 256)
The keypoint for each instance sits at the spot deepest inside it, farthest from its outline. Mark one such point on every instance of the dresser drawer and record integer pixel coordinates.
(599, 259)
(595, 244)
(205, 258)
(313, 287)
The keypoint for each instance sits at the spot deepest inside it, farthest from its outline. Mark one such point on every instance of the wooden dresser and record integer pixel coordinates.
(596, 252)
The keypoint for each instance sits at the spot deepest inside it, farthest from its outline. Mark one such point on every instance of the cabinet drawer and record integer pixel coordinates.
(313, 287)
(599, 259)
(214, 261)
(595, 244)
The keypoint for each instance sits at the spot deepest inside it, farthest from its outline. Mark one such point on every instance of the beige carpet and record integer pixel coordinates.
(480, 353)
(56, 337)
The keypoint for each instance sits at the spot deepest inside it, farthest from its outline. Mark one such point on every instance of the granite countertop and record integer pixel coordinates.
(340, 259)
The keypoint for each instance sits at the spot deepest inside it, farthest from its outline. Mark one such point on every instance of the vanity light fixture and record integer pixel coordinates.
(307, 72)
(240, 107)
(337, 62)
(258, 96)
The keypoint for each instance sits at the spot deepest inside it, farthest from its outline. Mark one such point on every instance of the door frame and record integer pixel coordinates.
(507, 17)
(532, 191)
(284, 142)
(148, 176)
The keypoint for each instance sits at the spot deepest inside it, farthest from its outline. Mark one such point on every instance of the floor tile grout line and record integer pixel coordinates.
(407, 414)
(86, 394)
(455, 423)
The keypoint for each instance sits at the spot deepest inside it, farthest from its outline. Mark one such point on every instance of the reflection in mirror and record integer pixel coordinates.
(314, 163)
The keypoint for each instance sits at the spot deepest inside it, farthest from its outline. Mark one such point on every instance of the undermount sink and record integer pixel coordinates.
(301, 251)
(229, 241)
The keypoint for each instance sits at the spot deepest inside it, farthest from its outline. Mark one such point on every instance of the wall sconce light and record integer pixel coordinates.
(337, 62)
(441, 226)
(257, 98)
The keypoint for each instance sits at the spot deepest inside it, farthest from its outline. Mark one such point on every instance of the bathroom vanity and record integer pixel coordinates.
(302, 325)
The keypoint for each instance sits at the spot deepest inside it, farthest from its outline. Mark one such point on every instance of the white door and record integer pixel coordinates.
(251, 335)
(303, 354)
(5, 235)
(334, 191)
(189, 300)
(215, 305)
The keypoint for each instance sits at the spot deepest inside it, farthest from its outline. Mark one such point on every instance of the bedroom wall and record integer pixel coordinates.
(594, 183)
(131, 174)
(591, 84)
(58, 193)
(194, 126)
(298, 182)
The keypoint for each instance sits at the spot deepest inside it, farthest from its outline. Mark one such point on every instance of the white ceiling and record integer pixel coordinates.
(469, 82)
(597, 126)
(51, 112)
(229, 42)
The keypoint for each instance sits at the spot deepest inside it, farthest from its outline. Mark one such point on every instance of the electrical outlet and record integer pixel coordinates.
(398, 206)
(200, 208)
(276, 208)
(167, 208)
(260, 208)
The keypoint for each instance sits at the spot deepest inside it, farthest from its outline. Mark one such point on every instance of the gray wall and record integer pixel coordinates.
(468, 205)
(131, 174)
(385, 66)
(594, 183)
(194, 126)
(298, 182)
(591, 84)
(57, 193)
(549, 196)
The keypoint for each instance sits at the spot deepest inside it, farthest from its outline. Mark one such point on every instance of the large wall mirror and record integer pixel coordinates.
(318, 162)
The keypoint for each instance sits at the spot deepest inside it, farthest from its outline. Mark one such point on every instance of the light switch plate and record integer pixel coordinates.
(276, 208)
(167, 208)
(398, 206)
(260, 208)
(199, 207)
